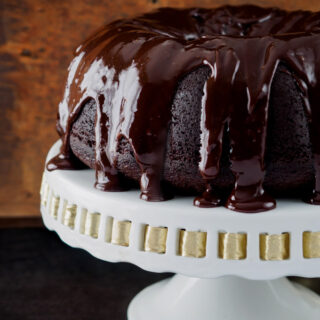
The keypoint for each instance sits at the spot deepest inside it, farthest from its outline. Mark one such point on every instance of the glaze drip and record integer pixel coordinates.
(131, 69)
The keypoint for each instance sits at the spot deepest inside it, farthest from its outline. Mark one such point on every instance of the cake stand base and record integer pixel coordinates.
(228, 298)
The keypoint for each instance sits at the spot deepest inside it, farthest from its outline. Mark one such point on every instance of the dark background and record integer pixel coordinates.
(41, 278)
(37, 39)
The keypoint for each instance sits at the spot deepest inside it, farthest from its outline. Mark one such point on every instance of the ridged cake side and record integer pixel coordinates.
(289, 165)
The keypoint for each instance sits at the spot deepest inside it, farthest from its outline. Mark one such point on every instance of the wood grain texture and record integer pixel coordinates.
(37, 39)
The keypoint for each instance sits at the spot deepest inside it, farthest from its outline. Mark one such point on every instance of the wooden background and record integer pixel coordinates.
(37, 39)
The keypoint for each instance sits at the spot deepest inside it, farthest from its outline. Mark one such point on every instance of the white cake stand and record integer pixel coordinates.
(229, 265)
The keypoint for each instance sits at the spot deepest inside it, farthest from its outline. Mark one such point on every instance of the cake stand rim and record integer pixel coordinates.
(209, 266)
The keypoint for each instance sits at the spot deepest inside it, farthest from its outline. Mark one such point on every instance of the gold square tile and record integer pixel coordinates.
(155, 239)
(192, 244)
(232, 246)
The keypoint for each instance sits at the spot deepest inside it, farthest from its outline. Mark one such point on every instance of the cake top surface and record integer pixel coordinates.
(240, 21)
(131, 68)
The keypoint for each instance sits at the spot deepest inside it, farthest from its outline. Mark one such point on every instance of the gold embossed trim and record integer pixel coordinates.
(69, 215)
(44, 192)
(43, 184)
(274, 246)
(120, 232)
(54, 206)
(90, 223)
(232, 246)
(155, 239)
(311, 245)
(192, 243)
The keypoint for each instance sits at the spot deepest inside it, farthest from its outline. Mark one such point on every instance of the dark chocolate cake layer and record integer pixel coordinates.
(289, 166)
(223, 102)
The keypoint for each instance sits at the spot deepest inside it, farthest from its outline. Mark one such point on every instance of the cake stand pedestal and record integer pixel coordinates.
(227, 297)
(229, 265)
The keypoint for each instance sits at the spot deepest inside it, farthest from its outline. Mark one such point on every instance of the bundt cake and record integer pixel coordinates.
(221, 103)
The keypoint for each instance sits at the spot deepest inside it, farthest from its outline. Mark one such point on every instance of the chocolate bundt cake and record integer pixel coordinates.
(220, 103)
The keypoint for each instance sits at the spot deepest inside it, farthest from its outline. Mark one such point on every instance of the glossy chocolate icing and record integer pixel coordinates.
(131, 68)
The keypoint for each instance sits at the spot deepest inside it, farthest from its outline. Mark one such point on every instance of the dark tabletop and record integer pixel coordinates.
(42, 278)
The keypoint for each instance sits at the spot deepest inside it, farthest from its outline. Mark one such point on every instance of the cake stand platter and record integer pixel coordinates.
(229, 265)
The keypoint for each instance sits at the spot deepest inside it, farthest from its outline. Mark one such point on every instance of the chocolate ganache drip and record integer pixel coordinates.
(131, 69)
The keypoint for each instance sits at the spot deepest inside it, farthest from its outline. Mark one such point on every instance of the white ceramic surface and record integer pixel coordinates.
(76, 187)
(225, 298)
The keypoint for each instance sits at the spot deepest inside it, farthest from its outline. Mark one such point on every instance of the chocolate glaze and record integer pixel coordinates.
(131, 68)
